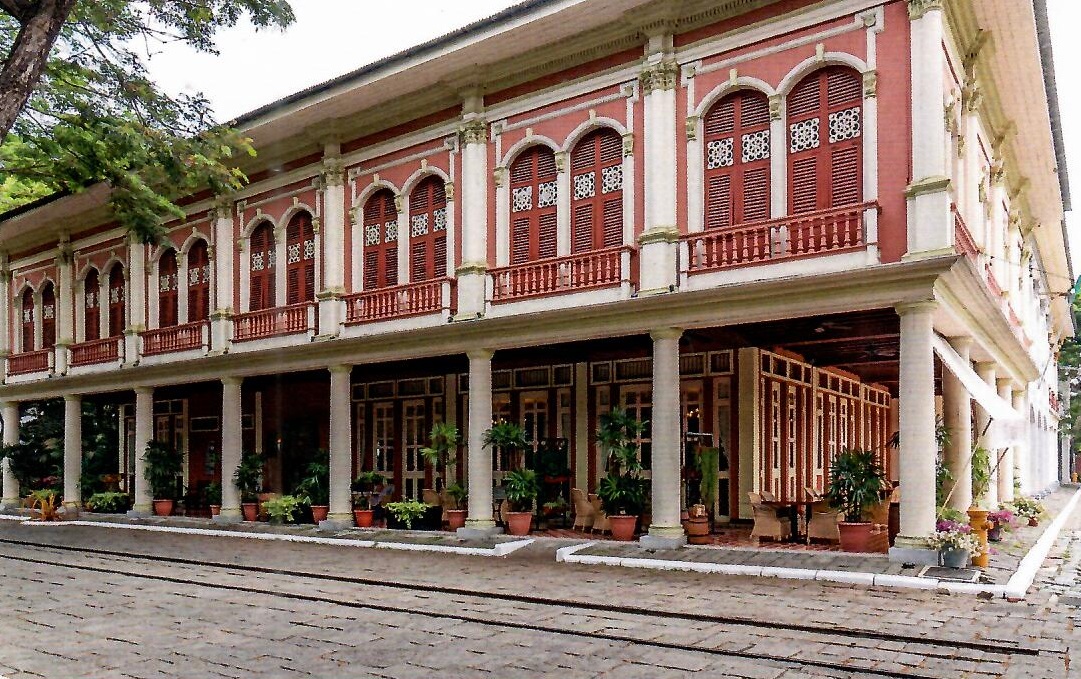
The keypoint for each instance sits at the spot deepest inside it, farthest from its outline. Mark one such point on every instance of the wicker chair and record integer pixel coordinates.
(583, 511)
(824, 520)
(600, 519)
(768, 496)
(813, 494)
(767, 524)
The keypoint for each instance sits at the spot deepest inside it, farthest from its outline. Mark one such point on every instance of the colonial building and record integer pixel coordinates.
(787, 227)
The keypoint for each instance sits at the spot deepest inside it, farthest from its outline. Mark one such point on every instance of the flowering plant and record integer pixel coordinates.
(1003, 518)
(953, 526)
(959, 538)
(1028, 508)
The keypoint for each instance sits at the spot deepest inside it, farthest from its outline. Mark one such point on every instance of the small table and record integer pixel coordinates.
(791, 508)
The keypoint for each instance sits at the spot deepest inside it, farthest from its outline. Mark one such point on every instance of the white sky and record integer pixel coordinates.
(332, 37)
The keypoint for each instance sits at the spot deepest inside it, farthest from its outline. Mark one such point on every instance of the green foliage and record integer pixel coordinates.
(45, 501)
(314, 488)
(368, 480)
(407, 511)
(164, 465)
(444, 441)
(213, 494)
(283, 509)
(708, 460)
(623, 490)
(981, 474)
(505, 435)
(97, 116)
(249, 475)
(623, 494)
(950, 514)
(109, 503)
(855, 481)
(522, 489)
(458, 493)
(1028, 508)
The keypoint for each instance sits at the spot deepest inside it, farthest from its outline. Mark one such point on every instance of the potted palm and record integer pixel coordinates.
(164, 465)
(855, 481)
(456, 517)
(247, 477)
(313, 489)
(521, 487)
(510, 439)
(699, 519)
(213, 498)
(623, 491)
(363, 487)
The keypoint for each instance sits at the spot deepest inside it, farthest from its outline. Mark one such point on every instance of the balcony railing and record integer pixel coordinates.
(31, 362)
(176, 338)
(992, 281)
(95, 351)
(400, 301)
(962, 238)
(284, 320)
(806, 235)
(584, 271)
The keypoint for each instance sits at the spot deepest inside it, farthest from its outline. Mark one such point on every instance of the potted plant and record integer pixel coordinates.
(363, 486)
(458, 494)
(509, 438)
(283, 509)
(1029, 509)
(248, 477)
(403, 514)
(164, 465)
(855, 481)
(213, 498)
(313, 490)
(1001, 520)
(443, 443)
(955, 542)
(45, 501)
(623, 491)
(698, 524)
(521, 488)
(108, 502)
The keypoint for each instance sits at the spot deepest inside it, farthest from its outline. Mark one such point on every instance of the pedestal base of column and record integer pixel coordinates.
(140, 512)
(914, 551)
(663, 537)
(228, 516)
(478, 529)
(337, 522)
(10, 503)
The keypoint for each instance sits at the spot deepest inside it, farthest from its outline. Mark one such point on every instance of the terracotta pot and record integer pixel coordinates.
(250, 510)
(697, 528)
(519, 523)
(215, 510)
(623, 526)
(363, 517)
(1033, 522)
(164, 507)
(855, 537)
(319, 513)
(455, 518)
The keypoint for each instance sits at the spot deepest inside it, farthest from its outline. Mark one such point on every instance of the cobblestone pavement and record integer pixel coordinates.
(148, 618)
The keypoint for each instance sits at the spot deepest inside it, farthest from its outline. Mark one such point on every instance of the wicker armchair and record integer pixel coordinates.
(600, 519)
(824, 520)
(583, 511)
(767, 523)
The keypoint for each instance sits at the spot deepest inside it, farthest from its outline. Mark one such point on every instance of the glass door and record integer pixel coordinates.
(637, 399)
(414, 437)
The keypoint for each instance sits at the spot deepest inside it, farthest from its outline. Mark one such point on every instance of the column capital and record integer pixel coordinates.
(232, 381)
(340, 369)
(917, 8)
(986, 371)
(76, 398)
(922, 306)
(1004, 384)
(666, 333)
(960, 343)
(480, 354)
(144, 391)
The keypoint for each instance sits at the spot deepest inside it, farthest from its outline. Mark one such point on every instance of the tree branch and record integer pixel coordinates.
(24, 66)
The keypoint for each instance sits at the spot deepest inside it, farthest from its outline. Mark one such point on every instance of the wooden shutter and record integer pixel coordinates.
(300, 259)
(380, 238)
(597, 191)
(167, 289)
(28, 321)
(91, 306)
(428, 221)
(198, 282)
(737, 160)
(533, 205)
(116, 301)
(261, 265)
(48, 316)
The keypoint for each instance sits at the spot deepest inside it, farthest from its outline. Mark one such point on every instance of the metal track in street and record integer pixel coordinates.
(939, 648)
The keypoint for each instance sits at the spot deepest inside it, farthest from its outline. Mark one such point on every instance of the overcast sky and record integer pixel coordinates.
(332, 37)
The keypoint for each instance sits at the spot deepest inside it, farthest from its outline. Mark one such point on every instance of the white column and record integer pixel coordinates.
(479, 464)
(917, 424)
(333, 240)
(957, 418)
(341, 449)
(144, 434)
(472, 273)
(1020, 453)
(136, 299)
(665, 529)
(986, 438)
(73, 449)
(1005, 462)
(232, 443)
(658, 240)
(9, 410)
(222, 275)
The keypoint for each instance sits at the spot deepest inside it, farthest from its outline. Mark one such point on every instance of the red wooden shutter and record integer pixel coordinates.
(28, 321)
(380, 241)
(825, 140)
(597, 191)
(737, 160)
(48, 316)
(167, 289)
(198, 282)
(116, 301)
(428, 230)
(92, 306)
(261, 263)
(534, 194)
(300, 259)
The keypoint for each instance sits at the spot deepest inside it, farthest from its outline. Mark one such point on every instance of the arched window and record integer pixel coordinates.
(597, 185)
(261, 260)
(428, 230)
(28, 320)
(92, 310)
(737, 160)
(116, 301)
(48, 316)
(167, 289)
(380, 241)
(824, 140)
(300, 259)
(534, 195)
(198, 282)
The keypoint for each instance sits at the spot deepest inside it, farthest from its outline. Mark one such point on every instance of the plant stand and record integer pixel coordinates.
(977, 519)
(697, 528)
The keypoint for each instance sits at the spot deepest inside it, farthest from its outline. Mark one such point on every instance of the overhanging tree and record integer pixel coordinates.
(77, 106)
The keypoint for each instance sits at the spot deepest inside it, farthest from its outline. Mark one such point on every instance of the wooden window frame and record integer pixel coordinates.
(728, 199)
(597, 220)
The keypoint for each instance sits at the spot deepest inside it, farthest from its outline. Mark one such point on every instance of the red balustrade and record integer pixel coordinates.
(992, 282)
(399, 301)
(29, 362)
(793, 237)
(284, 320)
(96, 351)
(584, 271)
(175, 338)
(963, 241)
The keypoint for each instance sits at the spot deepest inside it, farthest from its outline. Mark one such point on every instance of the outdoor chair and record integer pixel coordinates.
(767, 523)
(768, 496)
(600, 519)
(583, 511)
(813, 494)
(824, 520)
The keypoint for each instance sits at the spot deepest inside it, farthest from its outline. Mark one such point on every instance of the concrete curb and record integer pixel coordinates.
(1018, 585)
(499, 550)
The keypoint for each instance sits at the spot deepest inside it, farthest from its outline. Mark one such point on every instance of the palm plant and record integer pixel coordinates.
(248, 476)
(444, 441)
(508, 437)
(856, 479)
(623, 490)
(522, 488)
(164, 465)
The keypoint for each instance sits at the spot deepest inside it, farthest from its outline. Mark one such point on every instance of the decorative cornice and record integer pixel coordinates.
(927, 185)
(917, 8)
(499, 175)
(776, 103)
(333, 171)
(692, 127)
(659, 234)
(471, 268)
(448, 190)
(473, 132)
(659, 76)
(870, 84)
(561, 165)
(972, 95)
(628, 144)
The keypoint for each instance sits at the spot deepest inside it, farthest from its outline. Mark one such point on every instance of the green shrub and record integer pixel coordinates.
(407, 511)
(109, 503)
(283, 509)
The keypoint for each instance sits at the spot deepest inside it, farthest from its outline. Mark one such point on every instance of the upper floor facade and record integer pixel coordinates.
(566, 154)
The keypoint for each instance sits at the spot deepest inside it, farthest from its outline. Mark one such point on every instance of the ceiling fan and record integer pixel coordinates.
(879, 353)
(830, 325)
